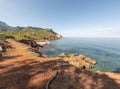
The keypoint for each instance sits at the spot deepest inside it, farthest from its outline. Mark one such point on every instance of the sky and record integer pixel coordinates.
(71, 18)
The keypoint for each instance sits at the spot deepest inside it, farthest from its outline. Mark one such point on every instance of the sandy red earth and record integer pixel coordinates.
(22, 69)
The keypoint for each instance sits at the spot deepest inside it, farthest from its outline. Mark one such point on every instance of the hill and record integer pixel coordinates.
(4, 27)
(34, 33)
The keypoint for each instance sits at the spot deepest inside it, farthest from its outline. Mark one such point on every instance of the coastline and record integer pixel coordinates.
(41, 43)
(106, 54)
(34, 71)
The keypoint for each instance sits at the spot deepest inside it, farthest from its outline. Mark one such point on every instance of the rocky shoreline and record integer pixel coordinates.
(24, 69)
(80, 61)
(36, 46)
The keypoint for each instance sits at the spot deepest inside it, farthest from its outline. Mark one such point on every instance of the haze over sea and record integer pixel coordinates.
(106, 51)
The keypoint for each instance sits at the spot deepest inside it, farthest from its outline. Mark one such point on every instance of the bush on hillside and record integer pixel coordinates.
(5, 35)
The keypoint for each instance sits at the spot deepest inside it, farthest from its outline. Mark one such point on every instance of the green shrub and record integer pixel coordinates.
(6, 35)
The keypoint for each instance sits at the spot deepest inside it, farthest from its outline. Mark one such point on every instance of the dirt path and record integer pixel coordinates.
(22, 69)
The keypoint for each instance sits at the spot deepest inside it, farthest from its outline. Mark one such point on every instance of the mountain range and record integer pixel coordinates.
(4, 26)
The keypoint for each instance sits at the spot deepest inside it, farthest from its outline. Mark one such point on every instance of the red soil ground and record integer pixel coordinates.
(22, 69)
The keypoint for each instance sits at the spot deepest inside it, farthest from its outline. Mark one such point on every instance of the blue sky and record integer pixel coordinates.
(78, 18)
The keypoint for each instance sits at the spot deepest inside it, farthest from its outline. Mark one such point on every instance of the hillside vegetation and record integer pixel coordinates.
(33, 33)
(29, 32)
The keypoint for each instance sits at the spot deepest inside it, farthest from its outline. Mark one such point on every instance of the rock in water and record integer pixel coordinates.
(89, 60)
(81, 56)
(80, 61)
(43, 43)
(72, 55)
(63, 55)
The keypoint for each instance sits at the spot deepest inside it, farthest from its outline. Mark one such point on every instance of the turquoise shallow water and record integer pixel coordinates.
(106, 51)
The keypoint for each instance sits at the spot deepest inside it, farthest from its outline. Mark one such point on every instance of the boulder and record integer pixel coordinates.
(63, 55)
(1, 57)
(89, 60)
(86, 65)
(58, 36)
(26, 41)
(44, 56)
(42, 43)
(80, 61)
(1, 49)
(72, 55)
(81, 56)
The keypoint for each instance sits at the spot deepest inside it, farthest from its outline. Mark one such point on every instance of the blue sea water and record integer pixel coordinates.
(106, 51)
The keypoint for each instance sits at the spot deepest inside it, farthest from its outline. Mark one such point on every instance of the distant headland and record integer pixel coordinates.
(29, 32)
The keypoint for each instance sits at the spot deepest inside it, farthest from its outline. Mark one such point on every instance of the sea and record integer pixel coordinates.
(106, 51)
